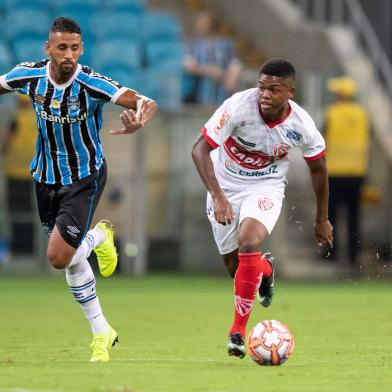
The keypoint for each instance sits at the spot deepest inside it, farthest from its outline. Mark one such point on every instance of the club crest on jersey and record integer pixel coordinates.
(265, 203)
(221, 123)
(280, 150)
(39, 99)
(73, 103)
(294, 135)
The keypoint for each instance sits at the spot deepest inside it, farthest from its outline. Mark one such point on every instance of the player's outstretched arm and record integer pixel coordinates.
(201, 156)
(140, 110)
(322, 227)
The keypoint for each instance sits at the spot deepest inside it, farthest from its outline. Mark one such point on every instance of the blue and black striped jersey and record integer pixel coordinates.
(69, 119)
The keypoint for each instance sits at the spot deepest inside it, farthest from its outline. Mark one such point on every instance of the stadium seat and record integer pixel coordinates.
(165, 55)
(158, 26)
(88, 47)
(6, 58)
(94, 5)
(164, 86)
(119, 51)
(10, 5)
(116, 24)
(123, 75)
(136, 7)
(82, 15)
(29, 49)
(22, 23)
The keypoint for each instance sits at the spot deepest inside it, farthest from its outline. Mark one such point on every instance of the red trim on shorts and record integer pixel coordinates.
(272, 124)
(208, 139)
(319, 155)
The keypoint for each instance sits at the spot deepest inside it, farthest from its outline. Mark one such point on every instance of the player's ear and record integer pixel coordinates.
(81, 53)
(47, 47)
(291, 92)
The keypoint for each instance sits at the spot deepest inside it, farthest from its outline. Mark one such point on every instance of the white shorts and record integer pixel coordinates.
(261, 203)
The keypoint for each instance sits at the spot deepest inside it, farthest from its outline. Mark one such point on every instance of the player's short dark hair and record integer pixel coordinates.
(278, 67)
(63, 24)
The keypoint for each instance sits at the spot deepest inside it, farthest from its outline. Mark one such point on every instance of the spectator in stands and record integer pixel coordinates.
(18, 149)
(211, 63)
(346, 131)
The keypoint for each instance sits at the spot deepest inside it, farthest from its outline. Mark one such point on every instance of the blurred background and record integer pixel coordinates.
(190, 55)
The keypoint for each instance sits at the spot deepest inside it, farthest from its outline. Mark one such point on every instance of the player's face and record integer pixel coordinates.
(64, 50)
(274, 92)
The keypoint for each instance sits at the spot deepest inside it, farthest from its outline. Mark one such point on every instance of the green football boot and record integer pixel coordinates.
(102, 343)
(106, 252)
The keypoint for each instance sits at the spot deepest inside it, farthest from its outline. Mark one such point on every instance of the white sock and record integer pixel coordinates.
(81, 281)
(93, 238)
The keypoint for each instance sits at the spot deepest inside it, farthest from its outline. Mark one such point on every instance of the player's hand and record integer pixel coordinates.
(324, 233)
(130, 121)
(133, 121)
(223, 210)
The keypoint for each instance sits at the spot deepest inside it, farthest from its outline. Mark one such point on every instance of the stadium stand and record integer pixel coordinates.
(6, 58)
(114, 42)
(136, 7)
(21, 23)
(105, 25)
(28, 49)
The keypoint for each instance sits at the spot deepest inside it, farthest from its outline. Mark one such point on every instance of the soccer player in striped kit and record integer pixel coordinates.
(69, 168)
(253, 132)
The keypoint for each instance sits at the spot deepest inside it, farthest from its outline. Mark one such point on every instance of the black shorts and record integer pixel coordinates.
(70, 207)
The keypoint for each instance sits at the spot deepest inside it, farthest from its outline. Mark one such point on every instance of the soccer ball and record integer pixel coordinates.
(270, 343)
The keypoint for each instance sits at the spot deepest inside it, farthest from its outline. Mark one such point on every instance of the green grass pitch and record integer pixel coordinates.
(173, 337)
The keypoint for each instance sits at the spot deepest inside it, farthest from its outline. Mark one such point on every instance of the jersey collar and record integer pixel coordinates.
(272, 124)
(65, 85)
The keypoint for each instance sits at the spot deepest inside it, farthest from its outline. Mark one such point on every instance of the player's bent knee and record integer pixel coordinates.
(58, 260)
(250, 245)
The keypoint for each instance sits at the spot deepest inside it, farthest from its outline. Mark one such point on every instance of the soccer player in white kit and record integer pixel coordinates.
(246, 177)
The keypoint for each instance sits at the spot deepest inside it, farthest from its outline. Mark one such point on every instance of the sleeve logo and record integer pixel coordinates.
(221, 123)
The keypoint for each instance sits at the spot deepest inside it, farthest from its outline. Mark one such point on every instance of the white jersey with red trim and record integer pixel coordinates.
(252, 151)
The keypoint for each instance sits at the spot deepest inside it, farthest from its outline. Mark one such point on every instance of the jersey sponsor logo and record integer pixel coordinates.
(243, 305)
(221, 123)
(245, 158)
(73, 103)
(61, 119)
(244, 142)
(294, 135)
(272, 170)
(280, 150)
(265, 203)
(55, 104)
(230, 166)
